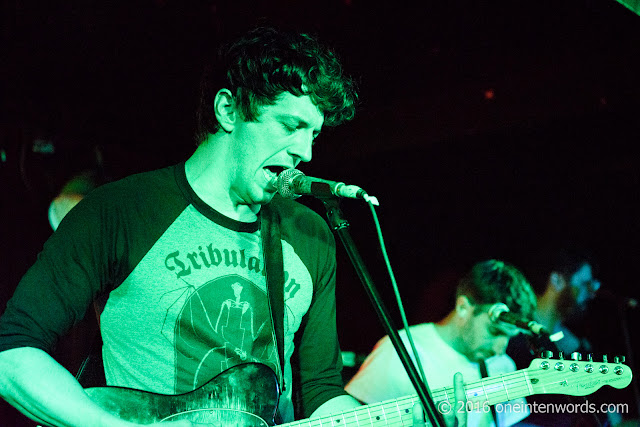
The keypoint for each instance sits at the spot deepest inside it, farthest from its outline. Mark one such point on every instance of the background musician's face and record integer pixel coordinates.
(580, 288)
(481, 338)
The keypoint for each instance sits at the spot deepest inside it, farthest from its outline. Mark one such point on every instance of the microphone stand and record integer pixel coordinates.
(339, 225)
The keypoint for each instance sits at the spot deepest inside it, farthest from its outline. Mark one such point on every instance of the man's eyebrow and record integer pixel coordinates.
(301, 122)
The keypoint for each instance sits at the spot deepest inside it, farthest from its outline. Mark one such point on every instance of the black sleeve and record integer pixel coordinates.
(56, 291)
(317, 363)
(97, 244)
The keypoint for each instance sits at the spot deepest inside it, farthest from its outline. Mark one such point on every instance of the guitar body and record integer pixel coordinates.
(245, 395)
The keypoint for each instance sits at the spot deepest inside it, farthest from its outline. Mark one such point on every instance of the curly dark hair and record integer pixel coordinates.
(495, 281)
(265, 63)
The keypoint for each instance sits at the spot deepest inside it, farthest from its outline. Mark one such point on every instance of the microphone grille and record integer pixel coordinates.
(496, 310)
(284, 183)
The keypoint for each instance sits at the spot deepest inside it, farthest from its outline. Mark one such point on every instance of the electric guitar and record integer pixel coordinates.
(247, 395)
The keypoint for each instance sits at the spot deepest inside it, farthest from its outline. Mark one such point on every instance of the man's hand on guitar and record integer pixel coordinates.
(456, 416)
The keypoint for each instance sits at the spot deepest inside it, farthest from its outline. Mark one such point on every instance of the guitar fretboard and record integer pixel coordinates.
(398, 412)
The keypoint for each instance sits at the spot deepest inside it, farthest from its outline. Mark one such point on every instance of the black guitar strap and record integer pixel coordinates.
(274, 271)
(483, 374)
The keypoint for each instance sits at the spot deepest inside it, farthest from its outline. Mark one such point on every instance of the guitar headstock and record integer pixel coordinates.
(574, 376)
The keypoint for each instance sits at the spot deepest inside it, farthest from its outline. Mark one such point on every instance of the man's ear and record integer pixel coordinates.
(557, 281)
(224, 107)
(463, 306)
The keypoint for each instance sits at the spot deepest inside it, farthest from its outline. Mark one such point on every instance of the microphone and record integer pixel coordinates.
(291, 183)
(499, 312)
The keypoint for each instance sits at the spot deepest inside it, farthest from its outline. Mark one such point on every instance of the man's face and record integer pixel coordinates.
(482, 338)
(581, 288)
(281, 137)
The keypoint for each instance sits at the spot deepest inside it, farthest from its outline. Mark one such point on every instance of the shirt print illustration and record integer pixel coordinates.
(223, 323)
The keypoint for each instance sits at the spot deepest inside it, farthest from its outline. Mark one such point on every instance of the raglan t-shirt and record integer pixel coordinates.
(183, 290)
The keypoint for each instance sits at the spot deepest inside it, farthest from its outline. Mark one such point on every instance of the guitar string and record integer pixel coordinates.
(405, 404)
(519, 381)
(344, 418)
(373, 410)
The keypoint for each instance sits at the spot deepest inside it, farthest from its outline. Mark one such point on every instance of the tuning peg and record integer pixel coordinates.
(605, 358)
(547, 354)
(590, 357)
(618, 359)
(576, 356)
(561, 355)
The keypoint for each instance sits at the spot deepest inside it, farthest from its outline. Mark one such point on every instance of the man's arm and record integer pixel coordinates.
(39, 387)
(336, 405)
(317, 359)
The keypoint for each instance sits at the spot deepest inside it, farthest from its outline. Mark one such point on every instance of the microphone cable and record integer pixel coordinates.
(394, 285)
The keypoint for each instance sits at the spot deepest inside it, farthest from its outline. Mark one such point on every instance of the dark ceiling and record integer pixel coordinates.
(125, 73)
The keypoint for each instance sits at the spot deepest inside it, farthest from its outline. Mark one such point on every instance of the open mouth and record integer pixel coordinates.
(272, 172)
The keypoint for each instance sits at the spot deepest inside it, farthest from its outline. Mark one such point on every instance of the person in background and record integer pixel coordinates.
(564, 278)
(569, 285)
(466, 340)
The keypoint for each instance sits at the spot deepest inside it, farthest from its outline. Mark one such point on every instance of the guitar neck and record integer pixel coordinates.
(398, 412)
(544, 376)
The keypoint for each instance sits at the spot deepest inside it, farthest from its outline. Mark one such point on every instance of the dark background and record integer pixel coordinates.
(485, 130)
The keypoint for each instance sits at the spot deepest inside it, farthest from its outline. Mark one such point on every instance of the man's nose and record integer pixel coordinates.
(302, 149)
